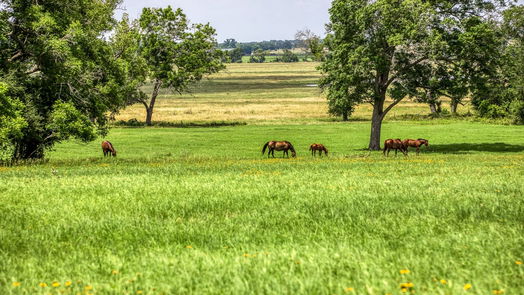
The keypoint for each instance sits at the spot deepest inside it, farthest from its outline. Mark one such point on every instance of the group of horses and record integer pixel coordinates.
(286, 146)
(403, 145)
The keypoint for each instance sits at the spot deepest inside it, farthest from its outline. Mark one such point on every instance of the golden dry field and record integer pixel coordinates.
(268, 92)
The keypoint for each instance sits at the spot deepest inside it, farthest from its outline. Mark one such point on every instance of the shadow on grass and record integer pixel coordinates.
(464, 148)
(138, 124)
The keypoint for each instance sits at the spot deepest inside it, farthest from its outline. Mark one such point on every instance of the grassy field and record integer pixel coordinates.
(201, 211)
(255, 93)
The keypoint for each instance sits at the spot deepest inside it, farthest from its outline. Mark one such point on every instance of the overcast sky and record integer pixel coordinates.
(247, 20)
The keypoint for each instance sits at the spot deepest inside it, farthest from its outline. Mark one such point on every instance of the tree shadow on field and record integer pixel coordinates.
(466, 148)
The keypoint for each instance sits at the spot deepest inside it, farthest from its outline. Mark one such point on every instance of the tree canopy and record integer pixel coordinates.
(59, 76)
(174, 52)
(391, 49)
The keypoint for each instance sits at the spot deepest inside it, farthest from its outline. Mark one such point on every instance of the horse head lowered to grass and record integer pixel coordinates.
(108, 149)
(318, 147)
(279, 146)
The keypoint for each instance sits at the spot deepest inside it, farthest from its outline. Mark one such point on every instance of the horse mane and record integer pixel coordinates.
(422, 139)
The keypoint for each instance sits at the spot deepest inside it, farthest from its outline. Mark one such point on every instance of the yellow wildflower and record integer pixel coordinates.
(139, 292)
(189, 246)
(55, 284)
(404, 271)
(404, 290)
(245, 255)
(68, 283)
(497, 292)
(518, 262)
(443, 282)
(467, 286)
(349, 289)
(407, 285)
(43, 285)
(88, 288)
(115, 272)
(16, 284)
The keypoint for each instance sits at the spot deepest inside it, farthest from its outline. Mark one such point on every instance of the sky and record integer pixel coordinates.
(246, 20)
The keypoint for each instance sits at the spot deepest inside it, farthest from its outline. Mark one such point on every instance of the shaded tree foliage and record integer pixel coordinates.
(59, 77)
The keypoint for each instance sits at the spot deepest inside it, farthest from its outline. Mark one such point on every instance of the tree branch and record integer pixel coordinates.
(394, 103)
(17, 55)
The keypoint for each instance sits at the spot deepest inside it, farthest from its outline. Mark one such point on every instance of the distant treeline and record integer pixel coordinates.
(249, 47)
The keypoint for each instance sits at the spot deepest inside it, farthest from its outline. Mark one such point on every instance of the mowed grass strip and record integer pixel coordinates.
(201, 211)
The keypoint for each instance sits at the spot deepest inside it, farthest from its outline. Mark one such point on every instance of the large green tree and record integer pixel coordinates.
(175, 52)
(380, 49)
(59, 76)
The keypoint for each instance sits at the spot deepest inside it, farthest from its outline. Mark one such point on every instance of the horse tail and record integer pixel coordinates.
(264, 148)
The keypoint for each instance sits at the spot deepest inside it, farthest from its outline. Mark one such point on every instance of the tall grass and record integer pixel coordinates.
(201, 211)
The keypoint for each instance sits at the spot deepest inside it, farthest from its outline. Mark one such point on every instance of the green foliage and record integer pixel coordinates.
(52, 51)
(258, 56)
(173, 53)
(287, 56)
(398, 48)
(66, 121)
(12, 123)
(235, 55)
(312, 43)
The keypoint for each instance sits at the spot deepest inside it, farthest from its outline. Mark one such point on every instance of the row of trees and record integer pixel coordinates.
(60, 77)
(250, 47)
(305, 39)
(424, 50)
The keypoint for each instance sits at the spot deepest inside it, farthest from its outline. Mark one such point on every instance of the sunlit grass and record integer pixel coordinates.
(201, 211)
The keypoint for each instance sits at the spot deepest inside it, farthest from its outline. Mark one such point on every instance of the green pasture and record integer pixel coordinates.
(201, 211)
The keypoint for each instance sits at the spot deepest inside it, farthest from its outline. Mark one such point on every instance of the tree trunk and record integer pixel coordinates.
(376, 121)
(345, 116)
(149, 116)
(433, 107)
(376, 125)
(453, 106)
(149, 109)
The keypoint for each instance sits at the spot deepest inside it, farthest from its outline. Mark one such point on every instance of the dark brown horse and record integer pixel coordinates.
(416, 143)
(318, 147)
(279, 146)
(108, 149)
(394, 144)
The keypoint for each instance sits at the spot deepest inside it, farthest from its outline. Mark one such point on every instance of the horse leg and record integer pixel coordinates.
(418, 150)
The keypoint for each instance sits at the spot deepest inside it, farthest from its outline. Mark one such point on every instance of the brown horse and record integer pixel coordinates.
(318, 147)
(279, 146)
(415, 143)
(394, 144)
(108, 149)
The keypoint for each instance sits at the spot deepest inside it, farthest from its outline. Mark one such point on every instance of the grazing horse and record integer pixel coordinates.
(279, 146)
(415, 143)
(394, 144)
(318, 147)
(108, 149)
